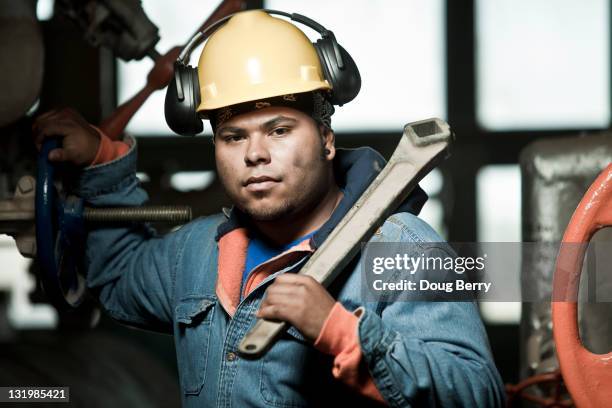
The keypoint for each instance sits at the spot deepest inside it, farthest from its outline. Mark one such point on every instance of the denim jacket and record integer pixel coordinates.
(417, 353)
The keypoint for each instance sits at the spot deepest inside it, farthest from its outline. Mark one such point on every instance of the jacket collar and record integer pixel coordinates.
(355, 169)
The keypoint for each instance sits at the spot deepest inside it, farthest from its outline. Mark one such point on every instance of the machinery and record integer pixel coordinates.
(48, 223)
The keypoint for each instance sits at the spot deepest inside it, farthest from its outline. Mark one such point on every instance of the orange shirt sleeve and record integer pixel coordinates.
(108, 149)
(339, 337)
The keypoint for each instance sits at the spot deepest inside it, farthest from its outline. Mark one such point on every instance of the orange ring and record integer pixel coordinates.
(588, 376)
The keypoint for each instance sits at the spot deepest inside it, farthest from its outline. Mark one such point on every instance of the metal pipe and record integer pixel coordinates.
(175, 214)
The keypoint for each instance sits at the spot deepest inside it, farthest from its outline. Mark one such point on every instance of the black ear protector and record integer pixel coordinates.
(183, 94)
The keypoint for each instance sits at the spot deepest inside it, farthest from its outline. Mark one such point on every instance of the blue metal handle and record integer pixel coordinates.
(58, 261)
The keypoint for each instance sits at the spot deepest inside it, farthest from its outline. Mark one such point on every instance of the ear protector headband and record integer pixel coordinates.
(183, 93)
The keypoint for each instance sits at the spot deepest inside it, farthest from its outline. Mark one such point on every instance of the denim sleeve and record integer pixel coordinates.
(428, 353)
(129, 267)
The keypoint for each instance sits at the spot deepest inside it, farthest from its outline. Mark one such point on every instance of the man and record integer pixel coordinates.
(208, 281)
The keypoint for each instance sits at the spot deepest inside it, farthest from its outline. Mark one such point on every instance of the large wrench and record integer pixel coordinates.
(423, 145)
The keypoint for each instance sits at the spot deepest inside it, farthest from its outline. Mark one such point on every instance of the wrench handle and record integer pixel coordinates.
(261, 337)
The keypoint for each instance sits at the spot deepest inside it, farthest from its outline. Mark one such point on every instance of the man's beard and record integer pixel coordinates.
(283, 210)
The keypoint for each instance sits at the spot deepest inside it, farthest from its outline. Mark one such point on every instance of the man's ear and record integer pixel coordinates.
(329, 140)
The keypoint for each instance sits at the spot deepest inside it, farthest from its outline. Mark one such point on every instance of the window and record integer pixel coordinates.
(433, 211)
(543, 65)
(400, 51)
(498, 193)
(44, 9)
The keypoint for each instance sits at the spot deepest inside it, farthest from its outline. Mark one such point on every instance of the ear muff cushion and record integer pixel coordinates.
(181, 115)
(345, 82)
(170, 106)
(195, 90)
(321, 46)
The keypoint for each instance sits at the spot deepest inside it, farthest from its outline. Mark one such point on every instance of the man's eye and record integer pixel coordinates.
(280, 131)
(234, 138)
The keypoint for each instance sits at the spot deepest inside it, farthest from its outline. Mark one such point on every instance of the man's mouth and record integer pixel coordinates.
(260, 183)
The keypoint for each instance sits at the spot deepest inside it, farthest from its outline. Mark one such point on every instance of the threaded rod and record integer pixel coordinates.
(173, 214)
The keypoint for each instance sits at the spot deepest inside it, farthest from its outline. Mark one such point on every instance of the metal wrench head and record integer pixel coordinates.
(428, 131)
(426, 141)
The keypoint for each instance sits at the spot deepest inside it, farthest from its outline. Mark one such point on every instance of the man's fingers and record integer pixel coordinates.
(282, 290)
(294, 279)
(284, 298)
(41, 139)
(298, 300)
(51, 129)
(287, 289)
(273, 312)
(267, 310)
(46, 115)
(290, 284)
(282, 306)
(57, 155)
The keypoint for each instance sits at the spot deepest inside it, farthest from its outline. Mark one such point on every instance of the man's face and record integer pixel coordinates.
(271, 162)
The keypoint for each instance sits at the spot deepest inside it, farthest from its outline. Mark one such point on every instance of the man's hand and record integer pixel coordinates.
(80, 140)
(299, 300)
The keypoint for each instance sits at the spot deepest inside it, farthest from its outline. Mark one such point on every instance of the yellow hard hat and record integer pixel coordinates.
(255, 56)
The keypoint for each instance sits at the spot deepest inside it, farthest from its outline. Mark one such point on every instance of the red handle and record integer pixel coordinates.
(159, 76)
(588, 376)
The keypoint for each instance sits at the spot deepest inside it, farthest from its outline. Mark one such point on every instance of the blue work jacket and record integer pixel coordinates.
(417, 353)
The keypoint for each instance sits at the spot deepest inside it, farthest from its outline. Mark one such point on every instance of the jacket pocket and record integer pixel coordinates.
(286, 378)
(193, 317)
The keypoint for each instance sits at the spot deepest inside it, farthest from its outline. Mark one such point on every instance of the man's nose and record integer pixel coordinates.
(257, 151)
